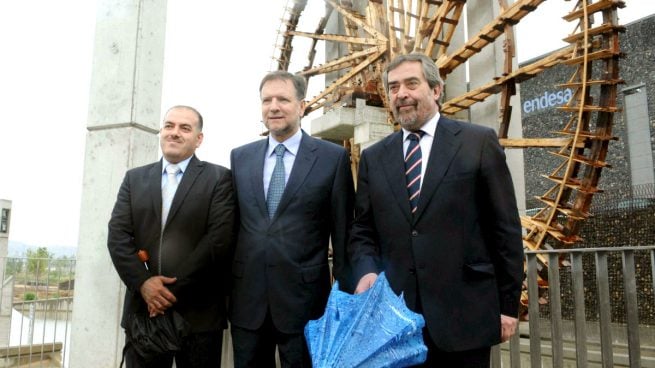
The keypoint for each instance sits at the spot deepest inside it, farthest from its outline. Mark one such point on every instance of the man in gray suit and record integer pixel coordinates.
(294, 194)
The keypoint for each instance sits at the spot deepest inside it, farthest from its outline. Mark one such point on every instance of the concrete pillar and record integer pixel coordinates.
(366, 124)
(371, 124)
(336, 25)
(5, 219)
(637, 120)
(455, 82)
(483, 67)
(123, 121)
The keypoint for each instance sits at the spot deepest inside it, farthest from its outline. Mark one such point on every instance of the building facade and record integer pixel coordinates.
(631, 155)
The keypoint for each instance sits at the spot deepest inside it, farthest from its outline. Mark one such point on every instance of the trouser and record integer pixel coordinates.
(476, 358)
(256, 348)
(199, 350)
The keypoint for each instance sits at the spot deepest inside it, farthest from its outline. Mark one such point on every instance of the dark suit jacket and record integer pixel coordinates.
(282, 264)
(462, 247)
(195, 242)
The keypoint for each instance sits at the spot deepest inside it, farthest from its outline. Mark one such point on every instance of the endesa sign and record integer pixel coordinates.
(547, 100)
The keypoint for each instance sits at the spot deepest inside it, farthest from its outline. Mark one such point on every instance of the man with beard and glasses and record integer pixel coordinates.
(435, 210)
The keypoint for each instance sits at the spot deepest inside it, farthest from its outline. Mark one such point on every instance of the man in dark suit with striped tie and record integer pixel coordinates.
(435, 209)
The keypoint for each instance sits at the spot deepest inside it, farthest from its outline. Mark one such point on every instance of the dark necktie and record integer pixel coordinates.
(413, 168)
(276, 186)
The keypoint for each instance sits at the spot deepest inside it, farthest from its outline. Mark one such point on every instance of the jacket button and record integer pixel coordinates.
(414, 233)
(412, 271)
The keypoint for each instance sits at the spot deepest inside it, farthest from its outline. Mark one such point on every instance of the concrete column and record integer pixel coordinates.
(639, 137)
(456, 83)
(371, 124)
(483, 67)
(123, 121)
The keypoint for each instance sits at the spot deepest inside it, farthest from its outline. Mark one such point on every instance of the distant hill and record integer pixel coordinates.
(18, 249)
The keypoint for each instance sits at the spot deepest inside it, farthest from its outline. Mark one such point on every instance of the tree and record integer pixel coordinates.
(38, 260)
(62, 267)
(14, 266)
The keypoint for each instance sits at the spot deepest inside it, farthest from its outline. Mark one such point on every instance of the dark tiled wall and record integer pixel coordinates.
(638, 66)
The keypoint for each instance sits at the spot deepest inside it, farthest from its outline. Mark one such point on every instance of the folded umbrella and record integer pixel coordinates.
(372, 329)
(153, 336)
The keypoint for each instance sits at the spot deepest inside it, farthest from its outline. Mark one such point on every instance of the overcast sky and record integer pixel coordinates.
(216, 53)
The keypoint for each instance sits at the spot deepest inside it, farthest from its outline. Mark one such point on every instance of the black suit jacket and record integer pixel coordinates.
(195, 241)
(281, 264)
(460, 255)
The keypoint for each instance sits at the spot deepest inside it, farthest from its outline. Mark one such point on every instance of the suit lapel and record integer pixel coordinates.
(192, 172)
(393, 165)
(302, 165)
(444, 148)
(154, 188)
(256, 173)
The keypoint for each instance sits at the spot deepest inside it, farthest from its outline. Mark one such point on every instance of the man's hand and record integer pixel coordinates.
(508, 327)
(365, 282)
(156, 294)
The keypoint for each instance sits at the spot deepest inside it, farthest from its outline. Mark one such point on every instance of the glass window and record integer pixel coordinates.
(4, 221)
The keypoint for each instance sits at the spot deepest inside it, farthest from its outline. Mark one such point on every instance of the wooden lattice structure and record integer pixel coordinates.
(380, 30)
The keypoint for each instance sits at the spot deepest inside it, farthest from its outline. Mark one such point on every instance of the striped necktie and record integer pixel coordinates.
(413, 168)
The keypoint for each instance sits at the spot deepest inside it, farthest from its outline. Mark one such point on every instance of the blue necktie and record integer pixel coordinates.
(413, 168)
(276, 186)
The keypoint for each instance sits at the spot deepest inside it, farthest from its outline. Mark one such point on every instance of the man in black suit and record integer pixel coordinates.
(294, 194)
(439, 217)
(189, 247)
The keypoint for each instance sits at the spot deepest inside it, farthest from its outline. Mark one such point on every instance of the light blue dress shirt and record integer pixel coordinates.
(182, 165)
(292, 144)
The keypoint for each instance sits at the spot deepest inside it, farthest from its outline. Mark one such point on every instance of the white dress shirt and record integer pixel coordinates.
(429, 128)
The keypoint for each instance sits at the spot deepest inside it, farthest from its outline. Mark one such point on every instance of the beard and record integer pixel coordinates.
(282, 130)
(408, 119)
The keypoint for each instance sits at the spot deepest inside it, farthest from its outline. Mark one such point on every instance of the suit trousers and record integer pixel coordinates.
(256, 348)
(437, 358)
(199, 350)
(476, 358)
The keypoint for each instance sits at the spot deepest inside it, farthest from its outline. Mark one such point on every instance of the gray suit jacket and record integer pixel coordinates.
(281, 264)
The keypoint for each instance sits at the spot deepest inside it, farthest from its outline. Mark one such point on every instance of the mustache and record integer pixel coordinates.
(405, 102)
(397, 106)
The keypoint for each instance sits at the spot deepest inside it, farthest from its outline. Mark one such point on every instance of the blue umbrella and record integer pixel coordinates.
(372, 329)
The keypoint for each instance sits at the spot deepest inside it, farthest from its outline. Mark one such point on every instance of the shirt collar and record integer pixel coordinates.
(429, 128)
(182, 164)
(292, 144)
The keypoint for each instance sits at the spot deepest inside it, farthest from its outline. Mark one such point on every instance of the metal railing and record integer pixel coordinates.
(589, 315)
(594, 313)
(36, 299)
